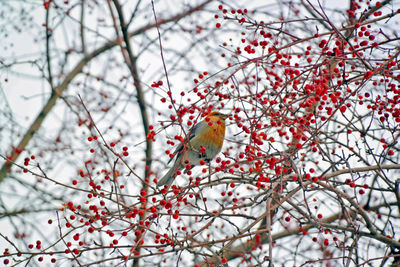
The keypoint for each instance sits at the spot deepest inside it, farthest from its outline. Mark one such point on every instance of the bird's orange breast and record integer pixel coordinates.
(216, 132)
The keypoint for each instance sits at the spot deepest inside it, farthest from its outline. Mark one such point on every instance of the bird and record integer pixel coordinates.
(204, 143)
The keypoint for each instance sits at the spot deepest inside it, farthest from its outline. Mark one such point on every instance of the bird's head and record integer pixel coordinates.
(218, 114)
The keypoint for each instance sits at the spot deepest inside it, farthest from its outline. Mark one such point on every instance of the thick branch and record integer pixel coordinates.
(247, 246)
(131, 61)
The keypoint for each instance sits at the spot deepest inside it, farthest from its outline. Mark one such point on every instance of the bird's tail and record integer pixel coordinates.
(169, 177)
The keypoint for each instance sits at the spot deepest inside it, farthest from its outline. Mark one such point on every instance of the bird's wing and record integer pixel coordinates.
(198, 127)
